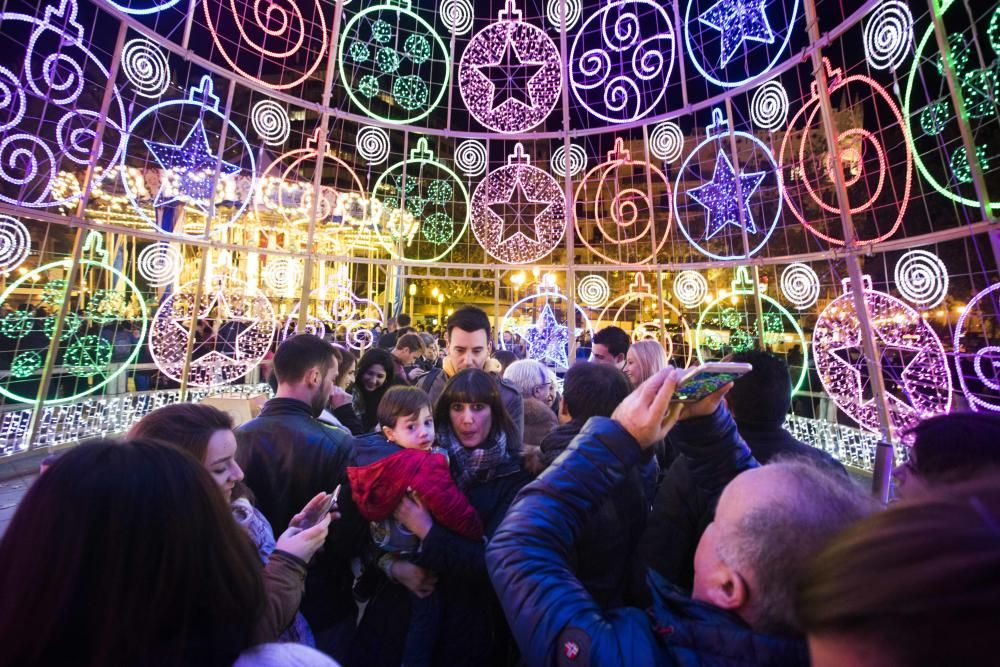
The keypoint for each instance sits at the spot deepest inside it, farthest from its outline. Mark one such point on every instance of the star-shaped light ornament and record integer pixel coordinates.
(190, 168)
(720, 198)
(738, 21)
(547, 339)
(895, 363)
(511, 80)
(519, 213)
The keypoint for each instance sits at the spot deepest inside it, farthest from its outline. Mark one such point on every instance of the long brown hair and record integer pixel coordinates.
(473, 386)
(187, 425)
(125, 553)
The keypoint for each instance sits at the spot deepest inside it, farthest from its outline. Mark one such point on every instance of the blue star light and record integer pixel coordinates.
(547, 339)
(195, 166)
(718, 196)
(738, 21)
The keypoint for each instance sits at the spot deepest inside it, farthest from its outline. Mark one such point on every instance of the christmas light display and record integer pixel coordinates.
(338, 307)
(47, 123)
(717, 200)
(457, 16)
(160, 263)
(17, 324)
(690, 288)
(283, 274)
(278, 31)
(237, 327)
(922, 279)
(547, 334)
(577, 160)
(667, 141)
(71, 323)
(741, 322)
(470, 157)
(420, 207)
(977, 353)
(373, 144)
(388, 51)
(960, 166)
(143, 7)
(554, 13)
(593, 291)
(518, 211)
(868, 180)
(913, 362)
(15, 243)
(800, 285)
(615, 200)
(88, 356)
(26, 364)
(640, 305)
(189, 167)
(270, 121)
(510, 75)
(314, 325)
(888, 35)
(769, 106)
(733, 41)
(146, 67)
(621, 60)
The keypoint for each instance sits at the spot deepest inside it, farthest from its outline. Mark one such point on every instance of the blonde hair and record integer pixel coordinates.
(651, 358)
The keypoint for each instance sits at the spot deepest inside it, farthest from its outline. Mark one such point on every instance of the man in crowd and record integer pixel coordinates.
(610, 346)
(409, 347)
(397, 326)
(288, 456)
(770, 520)
(468, 337)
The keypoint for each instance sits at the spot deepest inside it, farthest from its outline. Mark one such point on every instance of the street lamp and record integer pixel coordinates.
(413, 293)
(440, 298)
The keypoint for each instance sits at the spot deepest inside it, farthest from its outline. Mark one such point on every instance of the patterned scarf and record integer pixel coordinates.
(477, 464)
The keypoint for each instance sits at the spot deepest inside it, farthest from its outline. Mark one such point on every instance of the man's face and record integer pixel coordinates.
(321, 396)
(468, 349)
(600, 354)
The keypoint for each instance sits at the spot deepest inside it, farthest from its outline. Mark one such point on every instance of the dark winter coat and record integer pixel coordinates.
(768, 440)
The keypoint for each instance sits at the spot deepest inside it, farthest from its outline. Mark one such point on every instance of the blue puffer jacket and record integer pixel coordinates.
(553, 617)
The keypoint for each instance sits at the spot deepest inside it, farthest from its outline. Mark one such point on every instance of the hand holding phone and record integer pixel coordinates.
(700, 381)
(317, 508)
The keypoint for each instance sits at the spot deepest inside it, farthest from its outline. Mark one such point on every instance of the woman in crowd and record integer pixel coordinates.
(339, 410)
(206, 433)
(375, 374)
(124, 553)
(537, 389)
(473, 426)
(643, 360)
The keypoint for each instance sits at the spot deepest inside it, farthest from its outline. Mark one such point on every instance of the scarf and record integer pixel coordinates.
(478, 464)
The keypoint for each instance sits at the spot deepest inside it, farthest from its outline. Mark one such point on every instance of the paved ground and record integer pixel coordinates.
(15, 478)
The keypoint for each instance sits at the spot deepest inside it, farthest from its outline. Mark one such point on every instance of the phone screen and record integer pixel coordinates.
(702, 384)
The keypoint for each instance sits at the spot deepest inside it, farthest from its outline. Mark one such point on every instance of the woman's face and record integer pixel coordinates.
(348, 378)
(431, 352)
(373, 378)
(632, 371)
(471, 423)
(220, 460)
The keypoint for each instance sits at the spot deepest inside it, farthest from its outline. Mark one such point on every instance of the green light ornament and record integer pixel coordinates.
(378, 74)
(85, 356)
(978, 87)
(420, 207)
(743, 335)
(17, 324)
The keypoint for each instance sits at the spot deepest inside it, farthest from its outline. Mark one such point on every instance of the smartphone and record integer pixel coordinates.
(700, 381)
(316, 515)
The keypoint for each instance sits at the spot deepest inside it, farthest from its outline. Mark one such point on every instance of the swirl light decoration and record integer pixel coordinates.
(547, 334)
(914, 365)
(577, 160)
(270, 121)
(922, 279)
(314, 326)
(146, 67)
(15, 243)
(593, 291)
(338, 306)
(869, 182)
(888, 35)
(510, 75)
(635, 306)
(278, 31)
(160, 263)
(667, 141)
(690, 288)
(554, 12)
(769, 106)
(470, 157)
(283, 274)
(800, 285)
(977, 351)
(49, 90)
(621, 60)
(373, 144)
(457, 16)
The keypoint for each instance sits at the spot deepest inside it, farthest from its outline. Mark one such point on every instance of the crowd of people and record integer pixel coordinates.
(450, 504)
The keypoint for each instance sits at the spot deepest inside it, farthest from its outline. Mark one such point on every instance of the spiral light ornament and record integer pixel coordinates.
(470, 157)
(667, 141)
(373, 144)
(457, 16)
(145, 66)
(769, 106)
(15, 242)
(282, 274)
(690, 288)
(800, 285)
(888, 35)
(593, 291)
(577, 160)
(160, 263)
(553, 11)
(270, 121)
(921, 278)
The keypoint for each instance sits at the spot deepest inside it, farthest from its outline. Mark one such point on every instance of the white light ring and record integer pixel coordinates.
(888, 35)
(470, 157)
(800, 285)
(922, 278)
(146, 67)
(769, 106)
(271, 122)
(593, 291)
(15, 243)
(282, 274)
(577, 160)
(690, 288)
(160, 263)
(373, 144)
(667, 141)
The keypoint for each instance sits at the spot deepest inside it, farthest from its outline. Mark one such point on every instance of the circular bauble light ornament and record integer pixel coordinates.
(242, 324)
(913, 363)
(614, 203)
(518, 211)
(510, 75)
(977, 351)
(641, 306)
